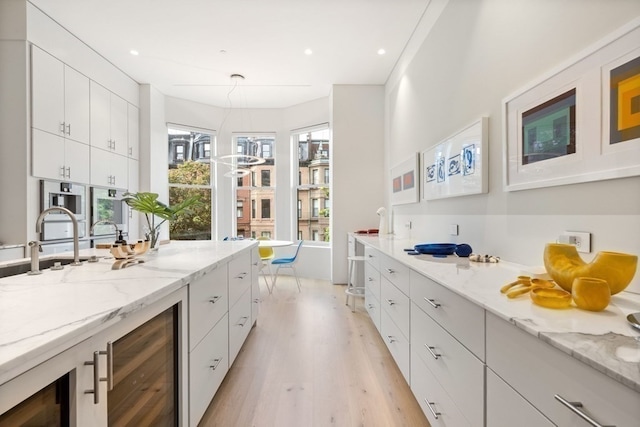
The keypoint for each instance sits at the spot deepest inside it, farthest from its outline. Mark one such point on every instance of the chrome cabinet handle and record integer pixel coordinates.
(433, 353)
(69, 129)
(109, 354)
(216, 362)
(432, 302)
(573, 407)
(243, 323)
(370, 279)
(256, 300)
(391, 271)
(390, 302)
(130, 151)
(214, 299)
(241, 276)
(63, 172)
(433, 411)
(391, 339)
(371, 306)
(96, 377)
(68, 175)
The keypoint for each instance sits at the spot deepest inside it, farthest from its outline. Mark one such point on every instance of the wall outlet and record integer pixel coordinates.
(453, 229)
(580, 239)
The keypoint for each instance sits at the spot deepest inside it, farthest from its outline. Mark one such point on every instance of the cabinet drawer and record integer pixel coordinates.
(462, 318)
(373, 257)
(539, 372)
(372, 280)
(434, 401)
(396, 304)
(506, 408)
(458, 371)
(396, 342)
(239, 276)
(239, 324)
(208, 302)
(208, 365)
(396, 272)
(372, 304)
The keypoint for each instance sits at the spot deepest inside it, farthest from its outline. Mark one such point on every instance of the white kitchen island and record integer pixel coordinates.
(50, 322)
(474, 357)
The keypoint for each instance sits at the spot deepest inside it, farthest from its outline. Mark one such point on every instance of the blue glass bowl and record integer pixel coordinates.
(436, 248)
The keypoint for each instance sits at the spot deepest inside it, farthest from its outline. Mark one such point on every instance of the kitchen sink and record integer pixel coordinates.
(23, 267)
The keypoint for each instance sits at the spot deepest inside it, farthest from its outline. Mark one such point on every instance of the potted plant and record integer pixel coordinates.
(148, 204)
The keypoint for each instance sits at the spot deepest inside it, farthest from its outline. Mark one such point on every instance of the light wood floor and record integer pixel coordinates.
(310, 361)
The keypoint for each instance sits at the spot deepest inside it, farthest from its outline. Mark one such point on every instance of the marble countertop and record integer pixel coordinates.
(603, 340)
(47, 312)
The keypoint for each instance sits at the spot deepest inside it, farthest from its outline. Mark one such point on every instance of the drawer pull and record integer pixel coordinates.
(433, 411)
(241, 276)
(391, 339)
(391, 271)
(370, 279)
(370, 306)
(432, 302)
(573, 406)
(216, 362)
(214, 299)
(433, 353)
(242, 323)
(390, 302)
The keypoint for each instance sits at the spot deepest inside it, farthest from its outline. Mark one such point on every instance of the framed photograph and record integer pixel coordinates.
(580, 122)
(457, 166)
(405, 183)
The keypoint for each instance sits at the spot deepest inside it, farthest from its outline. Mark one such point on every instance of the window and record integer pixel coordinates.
(265, 208)
(239, 209)
(265, 178)
(266, 234)
(189, 170)
(313, 190)
(262, 192)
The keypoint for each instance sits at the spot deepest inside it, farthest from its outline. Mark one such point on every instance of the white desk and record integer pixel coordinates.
(273, 243)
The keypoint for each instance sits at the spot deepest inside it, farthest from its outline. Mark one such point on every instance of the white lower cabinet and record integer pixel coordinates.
(544, 376)
(437, 405)
(208, 365)
(506, 408)
(459, 372)
(255, 285)
(239, 324)
(396, 342)
(372, 305)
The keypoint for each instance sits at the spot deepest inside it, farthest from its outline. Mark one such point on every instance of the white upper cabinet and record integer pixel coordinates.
(109, 118)
(60, 98)
(134, 132)
(109, 169)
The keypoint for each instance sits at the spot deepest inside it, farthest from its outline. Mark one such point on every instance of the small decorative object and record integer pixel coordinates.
(484, 258)
(382, 213)
(550, 298)
(151, 207)
(564, 264)
(590, 294)
(524, 284)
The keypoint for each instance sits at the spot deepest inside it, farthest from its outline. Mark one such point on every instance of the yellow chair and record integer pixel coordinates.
(266, 255)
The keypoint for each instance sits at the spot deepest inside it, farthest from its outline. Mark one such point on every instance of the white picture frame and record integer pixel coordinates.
(581, 151)
(457, 166)
(405, 181)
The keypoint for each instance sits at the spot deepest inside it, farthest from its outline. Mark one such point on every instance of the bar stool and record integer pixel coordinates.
(353, 291)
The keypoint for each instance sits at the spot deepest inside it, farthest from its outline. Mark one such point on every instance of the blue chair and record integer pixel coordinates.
(288, 262)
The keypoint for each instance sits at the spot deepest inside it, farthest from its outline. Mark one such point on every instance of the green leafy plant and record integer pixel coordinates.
(148, 204)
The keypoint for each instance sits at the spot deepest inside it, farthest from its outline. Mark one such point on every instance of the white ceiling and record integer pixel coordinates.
(189, 48)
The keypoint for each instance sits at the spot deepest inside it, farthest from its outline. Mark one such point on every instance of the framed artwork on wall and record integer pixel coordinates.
(580, 122)
(405, 182)
(457, 166)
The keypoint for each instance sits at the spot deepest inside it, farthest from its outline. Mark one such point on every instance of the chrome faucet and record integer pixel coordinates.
(35, 245)
(104, 221)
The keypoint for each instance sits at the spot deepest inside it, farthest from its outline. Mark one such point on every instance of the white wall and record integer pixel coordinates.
(477, 53)
(357, 177)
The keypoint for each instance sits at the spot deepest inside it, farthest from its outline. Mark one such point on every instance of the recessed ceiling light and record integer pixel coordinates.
(381, 51)
(134, 52)
(308, 51)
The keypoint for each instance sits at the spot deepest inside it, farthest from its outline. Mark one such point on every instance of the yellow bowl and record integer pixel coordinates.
(550, 298)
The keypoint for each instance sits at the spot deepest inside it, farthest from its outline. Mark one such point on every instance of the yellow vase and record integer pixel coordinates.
(564, 264)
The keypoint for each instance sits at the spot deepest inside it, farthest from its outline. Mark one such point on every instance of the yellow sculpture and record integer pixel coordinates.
(564, 264)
